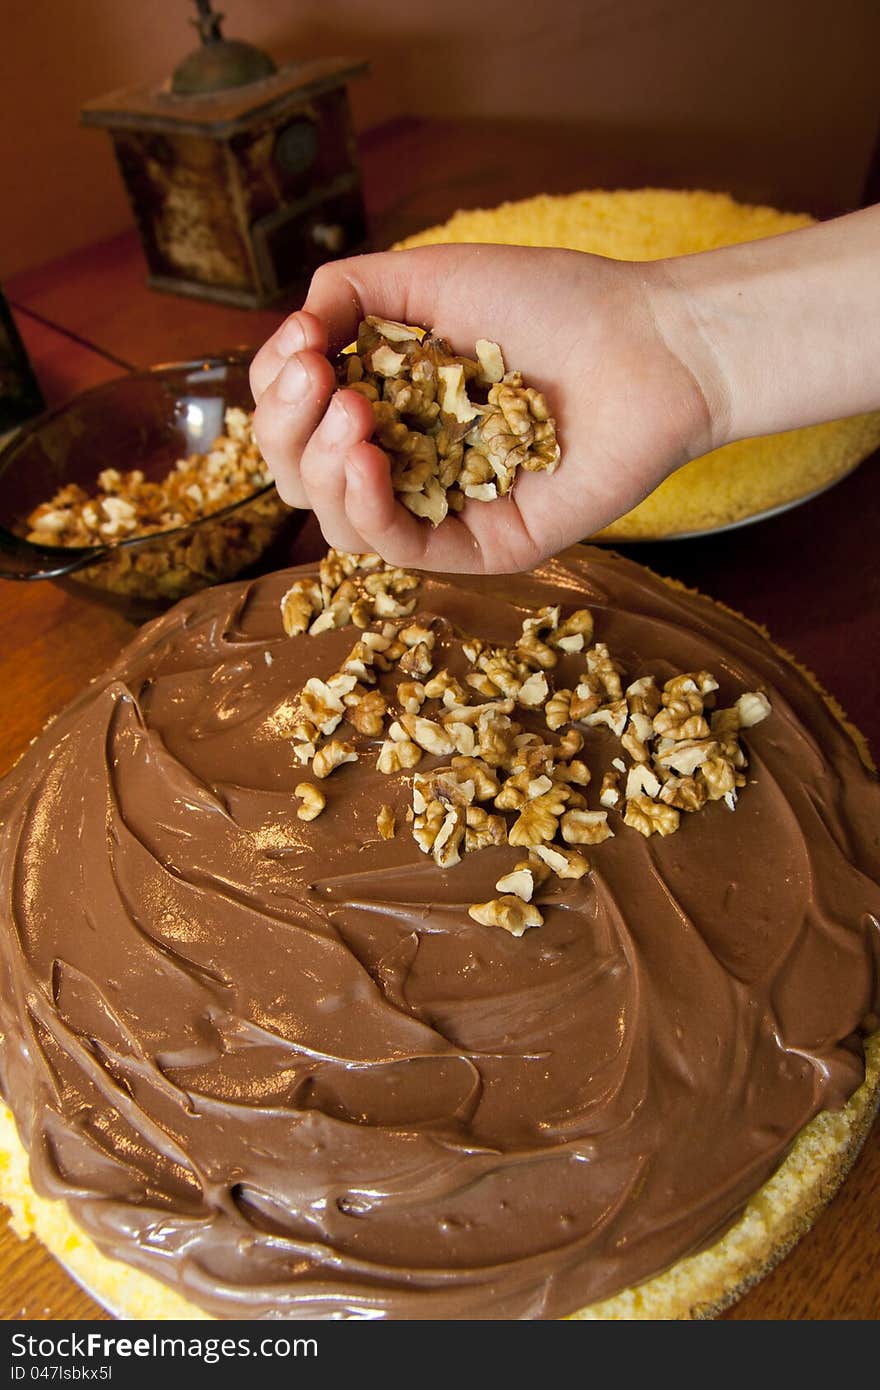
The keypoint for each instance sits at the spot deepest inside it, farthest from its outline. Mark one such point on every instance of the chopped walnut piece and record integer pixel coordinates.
(447, 846)
(576, 773)
(456, 790)
(389, 330)
(514, 794)
(536, 867)
(575, 633)
(586, 699)
(557, 710)
(483, 829)
(536, 653)
(643, 696)
(351, 589)
(718, 778)
(585, 827)
(532, 755)
(505, 672)
(676, 721)
(439, 831)
(576, 800)
(463, 737)
(480, 492)
(495, 735)
(397, 754)
(509, 912)
(342, 683)
(641, 781)
(299, 605)
(387, 362)
(416, 661)
(335, 615)
(362, 612)
(416, 634)
(452, 393)
(752, 708)
(534, 691)
(387, 605)
(542, 620)
(312, 798)
(368, 713)
(427, 823)
(333, 755)
(538, 820)
(685, 793)
(565, 863)
(649, 818)
(386, 822)
(520, 882)
(609, 792)
(685, 757)
(706, 684)
(693, 687)
(490, 360)
(322, 706)
(725, 727)
(336, 566)
(411, 696)
(440, 683)
(359, 663)
(571, 742)
(614, 716)
(635, 738)
(427, 734)
(683, 700)
(480, 682)
(485, 781)
(538, 786)
(602, 667)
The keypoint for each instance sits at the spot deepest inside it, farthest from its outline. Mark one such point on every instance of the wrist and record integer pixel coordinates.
(783, 332)
(731, 322)
(684, 321)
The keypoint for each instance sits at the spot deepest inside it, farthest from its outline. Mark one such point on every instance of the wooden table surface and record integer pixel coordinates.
(811, 575)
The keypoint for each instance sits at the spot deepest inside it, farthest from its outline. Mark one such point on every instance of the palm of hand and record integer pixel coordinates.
(581, 329)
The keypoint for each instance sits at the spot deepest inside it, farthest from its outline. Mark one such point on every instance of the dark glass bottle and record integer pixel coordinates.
(20, 394)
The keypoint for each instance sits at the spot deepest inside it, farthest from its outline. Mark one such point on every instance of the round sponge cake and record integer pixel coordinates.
(746, 479)
(264, 1065)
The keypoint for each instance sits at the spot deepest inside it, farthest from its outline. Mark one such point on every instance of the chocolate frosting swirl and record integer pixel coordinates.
(276, 1065)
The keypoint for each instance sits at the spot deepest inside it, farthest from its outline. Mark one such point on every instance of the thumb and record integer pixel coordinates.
(406, 286)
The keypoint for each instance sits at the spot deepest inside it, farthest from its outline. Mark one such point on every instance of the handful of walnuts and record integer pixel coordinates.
(454, 427)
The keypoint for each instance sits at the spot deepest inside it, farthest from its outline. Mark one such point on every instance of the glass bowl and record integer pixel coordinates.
(146, 420)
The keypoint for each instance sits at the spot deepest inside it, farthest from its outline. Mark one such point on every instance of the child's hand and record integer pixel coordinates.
(588, 332)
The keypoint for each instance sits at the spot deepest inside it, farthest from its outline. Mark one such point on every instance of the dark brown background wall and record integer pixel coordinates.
(773, 99)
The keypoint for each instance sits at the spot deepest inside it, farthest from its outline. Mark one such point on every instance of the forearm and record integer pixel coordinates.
(787, 329)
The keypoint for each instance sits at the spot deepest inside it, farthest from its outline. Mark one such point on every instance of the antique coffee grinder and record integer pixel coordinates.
(243, 177)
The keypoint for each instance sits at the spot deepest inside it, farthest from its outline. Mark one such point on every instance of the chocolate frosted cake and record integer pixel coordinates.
(404, 946)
